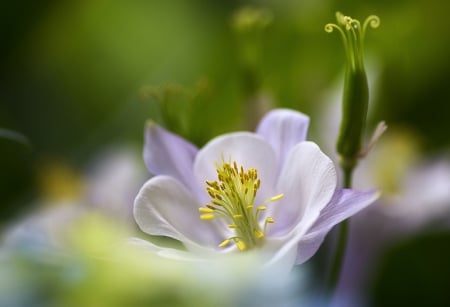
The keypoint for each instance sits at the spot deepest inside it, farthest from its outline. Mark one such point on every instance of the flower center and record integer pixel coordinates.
(232, 198)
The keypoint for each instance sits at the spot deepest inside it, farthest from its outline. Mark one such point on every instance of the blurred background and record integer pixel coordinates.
(79, 79)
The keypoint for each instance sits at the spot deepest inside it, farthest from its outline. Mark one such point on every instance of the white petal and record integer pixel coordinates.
(248, 150)
(165, 252)
(283, 129)
(282, 255)
(165, 207)
(308, 181)
(344, 204)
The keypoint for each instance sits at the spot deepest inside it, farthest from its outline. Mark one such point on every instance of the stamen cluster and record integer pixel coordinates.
(232, 198)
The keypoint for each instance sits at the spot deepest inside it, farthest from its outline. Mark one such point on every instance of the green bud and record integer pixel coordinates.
(249, 19)
(356, 90)
(177, 108)
(248, 25)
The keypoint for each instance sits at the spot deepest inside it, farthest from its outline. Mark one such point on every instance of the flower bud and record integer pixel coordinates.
(355, 98)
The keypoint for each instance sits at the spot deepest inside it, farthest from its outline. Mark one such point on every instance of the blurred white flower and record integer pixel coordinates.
(113, 181)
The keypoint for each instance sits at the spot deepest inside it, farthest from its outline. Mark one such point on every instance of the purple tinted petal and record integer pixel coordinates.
(165, 207)
(168, 154)
(345, 203)
(283, 129)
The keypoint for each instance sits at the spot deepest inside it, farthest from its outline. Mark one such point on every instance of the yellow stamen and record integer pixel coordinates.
(259, 234)
(241, 245)
(225, 243)
(276, 197)
(270, 220)
(205, 210)
(207, 216)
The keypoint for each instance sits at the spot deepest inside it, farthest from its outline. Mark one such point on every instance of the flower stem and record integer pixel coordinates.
(338, 258)
(341, 246)
(355, 101)
(348, 175)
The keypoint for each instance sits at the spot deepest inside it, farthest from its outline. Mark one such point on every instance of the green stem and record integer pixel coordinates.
(341, 246)
(348, 176)
(355, 103)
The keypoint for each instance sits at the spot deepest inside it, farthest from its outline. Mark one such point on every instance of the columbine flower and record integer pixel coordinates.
(270, 191)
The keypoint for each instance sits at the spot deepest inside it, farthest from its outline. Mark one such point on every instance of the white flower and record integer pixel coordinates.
(269, 191)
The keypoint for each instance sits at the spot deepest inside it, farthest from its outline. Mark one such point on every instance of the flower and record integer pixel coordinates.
(269, 191)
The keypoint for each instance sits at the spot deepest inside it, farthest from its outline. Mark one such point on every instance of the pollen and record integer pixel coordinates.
(233, 199)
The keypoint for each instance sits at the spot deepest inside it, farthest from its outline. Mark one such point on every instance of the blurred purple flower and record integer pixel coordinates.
(415, 198)
(270, 191)
(421, 204)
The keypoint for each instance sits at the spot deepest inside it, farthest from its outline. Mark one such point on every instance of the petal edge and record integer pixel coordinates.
(283, 129)
(165, 207)
(345, 203)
